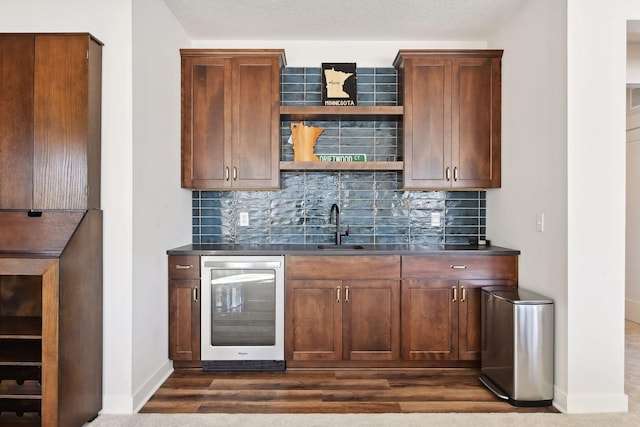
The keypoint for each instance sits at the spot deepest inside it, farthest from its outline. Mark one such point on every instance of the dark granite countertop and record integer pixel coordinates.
(313, 249)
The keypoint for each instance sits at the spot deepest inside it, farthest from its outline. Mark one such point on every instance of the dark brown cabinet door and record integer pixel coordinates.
(16, 121)
(313, 327)
(429, 319)
(452, 108)
(184, 308)
(371, 319)
(475, 136)
(184, 320)
(470, 292)
(230, 119)
(50, 121)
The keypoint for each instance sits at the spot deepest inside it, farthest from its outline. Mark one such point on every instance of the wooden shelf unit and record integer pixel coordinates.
(382, 113)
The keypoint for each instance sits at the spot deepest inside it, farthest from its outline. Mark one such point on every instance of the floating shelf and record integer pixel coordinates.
(349, 166)
(345, 113)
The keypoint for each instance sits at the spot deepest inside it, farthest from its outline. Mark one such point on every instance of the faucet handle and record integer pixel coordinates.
(346, 233)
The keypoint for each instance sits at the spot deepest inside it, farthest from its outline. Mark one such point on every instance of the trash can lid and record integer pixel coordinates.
(516, 295)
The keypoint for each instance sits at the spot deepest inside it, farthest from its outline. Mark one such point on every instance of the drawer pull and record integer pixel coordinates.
(455, 293)
(183, 267)
(458, 267)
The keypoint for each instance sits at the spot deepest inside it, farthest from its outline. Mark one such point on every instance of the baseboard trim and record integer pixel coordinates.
(118, 404)
(144, 393)
(632, 310)
(592, 404)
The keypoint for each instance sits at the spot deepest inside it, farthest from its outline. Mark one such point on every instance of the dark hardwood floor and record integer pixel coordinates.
(328, 391)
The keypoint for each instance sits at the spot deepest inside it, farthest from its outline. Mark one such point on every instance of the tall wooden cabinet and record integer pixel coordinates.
(50, 112)
(50, 229)
(441, 303)
(342, 308)
(231, 118)
(452, 118)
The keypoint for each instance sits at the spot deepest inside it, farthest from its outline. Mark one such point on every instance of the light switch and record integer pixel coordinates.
(244, 219)
(540, 222)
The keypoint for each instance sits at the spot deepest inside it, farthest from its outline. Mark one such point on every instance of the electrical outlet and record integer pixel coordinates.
(244, 219)
(540, 222)
(435, 219)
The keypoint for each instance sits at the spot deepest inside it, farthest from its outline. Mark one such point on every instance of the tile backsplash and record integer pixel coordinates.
(371, 204)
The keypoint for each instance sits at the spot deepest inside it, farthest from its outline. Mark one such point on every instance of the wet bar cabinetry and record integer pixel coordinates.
(445, 291)
(231, 118)
(342, 308)
(452, 118)
(50, 111)
(184, 310)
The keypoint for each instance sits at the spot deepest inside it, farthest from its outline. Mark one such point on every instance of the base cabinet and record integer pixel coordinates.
(342, 308)
(441, 303)
(51, 320)
(184, 308)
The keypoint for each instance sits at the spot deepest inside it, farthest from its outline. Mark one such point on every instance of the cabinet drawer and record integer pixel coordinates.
(461, 267)
(342, 267)
(184, 267)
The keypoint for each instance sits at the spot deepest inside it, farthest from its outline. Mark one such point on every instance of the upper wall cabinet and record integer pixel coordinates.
(231, 118)
(452, 113)
(50, 108)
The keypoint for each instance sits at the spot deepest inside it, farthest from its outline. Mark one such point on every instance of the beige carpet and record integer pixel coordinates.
(632, 418)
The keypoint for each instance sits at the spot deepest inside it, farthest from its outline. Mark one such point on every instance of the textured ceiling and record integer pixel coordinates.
(353, 20)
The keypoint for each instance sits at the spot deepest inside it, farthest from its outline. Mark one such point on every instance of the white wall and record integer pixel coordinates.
(632, 273)
(313, 53)
(633, 63)
(111, 23)
(596, 167)
(534, 158)
(161, 209)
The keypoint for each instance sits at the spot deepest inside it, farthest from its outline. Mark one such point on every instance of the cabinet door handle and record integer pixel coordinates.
(183, 267)
(235, 173)
(455, 293)
(448, 173)
(463, 297)
(337, 293)
(195, 294)
(455, 173)
(458, 267)
(346, 294)
(226, 173)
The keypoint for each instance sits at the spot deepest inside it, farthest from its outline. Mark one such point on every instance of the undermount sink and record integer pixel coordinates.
(340, 247)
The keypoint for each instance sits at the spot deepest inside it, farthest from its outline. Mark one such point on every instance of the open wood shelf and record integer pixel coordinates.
(345, 113)
(20, 352)
(20, 327)
(345, 166)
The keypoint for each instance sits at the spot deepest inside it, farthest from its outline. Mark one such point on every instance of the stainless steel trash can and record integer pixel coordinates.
(517, 345)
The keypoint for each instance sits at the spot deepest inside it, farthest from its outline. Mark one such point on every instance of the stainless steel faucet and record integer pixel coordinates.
(334, 218)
